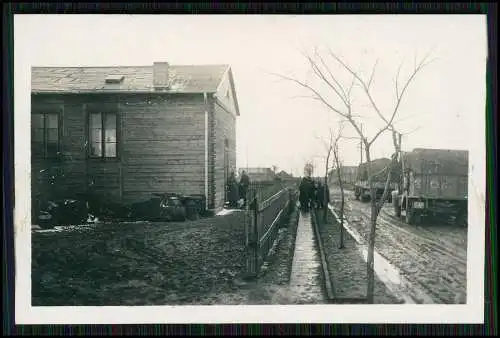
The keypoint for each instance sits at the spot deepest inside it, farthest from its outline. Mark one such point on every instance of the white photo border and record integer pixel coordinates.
(472, 312)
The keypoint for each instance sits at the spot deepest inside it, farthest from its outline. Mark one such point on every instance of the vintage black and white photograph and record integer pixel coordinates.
(303, 162)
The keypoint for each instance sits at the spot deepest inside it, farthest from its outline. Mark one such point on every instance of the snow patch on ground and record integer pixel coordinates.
(59, 228)
(225, 212)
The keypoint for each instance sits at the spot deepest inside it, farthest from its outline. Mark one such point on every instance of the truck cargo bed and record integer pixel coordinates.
(435, 186)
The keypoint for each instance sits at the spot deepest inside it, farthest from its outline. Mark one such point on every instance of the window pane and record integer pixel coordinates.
(37, 135)
(52, 135)
(37, 120)
(51, 121)
(96, 149)
(110, 149)
(110, 135)
(95, 135)
(52, 149)
(95, 121)
(37, 149)
(37, 142)
(110, 121)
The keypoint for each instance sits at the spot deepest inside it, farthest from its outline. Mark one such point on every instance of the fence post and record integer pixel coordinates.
(248, 239)
(257, 221)
(252, 238)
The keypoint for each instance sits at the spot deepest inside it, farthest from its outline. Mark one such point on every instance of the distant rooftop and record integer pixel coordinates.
(256, 170)
(180, 78)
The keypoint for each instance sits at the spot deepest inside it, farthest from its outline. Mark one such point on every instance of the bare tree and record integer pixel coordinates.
(329, 148)
(338, 167)
(330, 81)
(391, 169)
(332, 148)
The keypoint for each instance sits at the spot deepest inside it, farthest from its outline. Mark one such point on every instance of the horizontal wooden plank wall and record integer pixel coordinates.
(161, 144)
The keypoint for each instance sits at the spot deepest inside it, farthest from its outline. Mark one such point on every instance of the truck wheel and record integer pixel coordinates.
(364, 198)
(397, 211)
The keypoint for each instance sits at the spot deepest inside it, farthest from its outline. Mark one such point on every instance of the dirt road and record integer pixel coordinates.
(432, 256)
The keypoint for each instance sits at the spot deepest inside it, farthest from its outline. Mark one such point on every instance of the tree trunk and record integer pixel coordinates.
(341, 246)
(371, 238)
(325, 202)
(342, 200)
(396, 138)
(391, 167)
(325, 206)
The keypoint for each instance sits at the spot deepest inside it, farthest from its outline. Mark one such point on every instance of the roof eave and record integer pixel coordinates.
(228, 67)
(228, 72)
(68, 92)
(233, 88)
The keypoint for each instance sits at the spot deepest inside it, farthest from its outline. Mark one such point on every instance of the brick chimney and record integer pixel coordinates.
(160, 74)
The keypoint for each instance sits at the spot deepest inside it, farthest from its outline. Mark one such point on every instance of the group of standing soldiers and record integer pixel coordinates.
(313, 194)
(237, 191)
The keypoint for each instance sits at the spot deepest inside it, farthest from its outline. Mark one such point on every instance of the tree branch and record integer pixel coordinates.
(389, 123)
(320, 74)
(353, 81)
(331, 74)
(373, 73)
(318, 96)
(361, 82)
(348, 116)
(397, 79)
(411, 131)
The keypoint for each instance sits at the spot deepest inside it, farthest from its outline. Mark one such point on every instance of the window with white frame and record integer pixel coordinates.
(102, 138)
(45, 134)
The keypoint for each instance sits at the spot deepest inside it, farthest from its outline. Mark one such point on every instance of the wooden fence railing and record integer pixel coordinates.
(263, 216)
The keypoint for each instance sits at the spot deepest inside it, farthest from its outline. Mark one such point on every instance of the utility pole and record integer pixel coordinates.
(361, 145)
(402, 167)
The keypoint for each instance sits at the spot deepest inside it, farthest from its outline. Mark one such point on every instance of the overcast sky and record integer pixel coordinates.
(277, 126)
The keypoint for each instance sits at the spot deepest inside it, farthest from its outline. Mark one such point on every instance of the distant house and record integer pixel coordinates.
(259, 174)
(134, 131)
(284, 175)
(348, 175)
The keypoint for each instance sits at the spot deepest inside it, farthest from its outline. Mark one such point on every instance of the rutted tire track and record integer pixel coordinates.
(454, 236)
(426, 244)
(433, 258)
(433, 237)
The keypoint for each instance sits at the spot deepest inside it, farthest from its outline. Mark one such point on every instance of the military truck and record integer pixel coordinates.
(433, 182)
(379, 170)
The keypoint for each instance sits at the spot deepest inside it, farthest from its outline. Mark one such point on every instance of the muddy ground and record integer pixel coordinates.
(196, 262)
(347, 267)
(432, 256)
(137, 263)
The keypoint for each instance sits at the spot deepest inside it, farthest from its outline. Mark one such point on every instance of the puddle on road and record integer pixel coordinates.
(387, 272)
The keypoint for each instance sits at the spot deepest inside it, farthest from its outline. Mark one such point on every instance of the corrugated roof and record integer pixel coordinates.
(183, 79)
